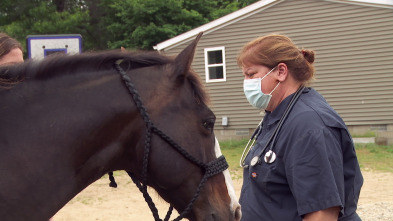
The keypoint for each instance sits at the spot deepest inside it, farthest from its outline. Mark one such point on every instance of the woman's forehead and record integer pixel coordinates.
(12, 57)
(253, 67)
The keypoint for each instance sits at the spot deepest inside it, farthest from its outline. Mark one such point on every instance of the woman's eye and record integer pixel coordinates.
(250, 75)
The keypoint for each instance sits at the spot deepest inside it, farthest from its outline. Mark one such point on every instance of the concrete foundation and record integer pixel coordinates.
(379, 134)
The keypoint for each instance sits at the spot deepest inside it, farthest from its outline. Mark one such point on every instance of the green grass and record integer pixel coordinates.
(366, 134)
(370, 156)
(375, 157)
(232, 150)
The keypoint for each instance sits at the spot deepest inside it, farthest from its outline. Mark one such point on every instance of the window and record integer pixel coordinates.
(215, 64)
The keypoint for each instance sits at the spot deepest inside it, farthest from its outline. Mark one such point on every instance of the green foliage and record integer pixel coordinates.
(42, 18)
(144, 23)
(14, 10)
(136, 24)
(224, 8)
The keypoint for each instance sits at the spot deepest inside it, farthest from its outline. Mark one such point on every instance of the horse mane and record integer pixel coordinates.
(57, 65)
(93, 61)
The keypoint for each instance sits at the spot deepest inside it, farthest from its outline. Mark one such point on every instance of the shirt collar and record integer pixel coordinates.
(273, 117)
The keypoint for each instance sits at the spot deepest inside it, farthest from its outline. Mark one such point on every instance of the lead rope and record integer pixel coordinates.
(211, 168)
(149, 125)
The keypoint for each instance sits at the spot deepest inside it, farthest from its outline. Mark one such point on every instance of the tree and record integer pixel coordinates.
(44, 19)
(103, 24)
(143, 23)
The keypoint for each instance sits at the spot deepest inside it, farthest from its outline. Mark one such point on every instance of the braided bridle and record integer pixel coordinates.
(211, 169)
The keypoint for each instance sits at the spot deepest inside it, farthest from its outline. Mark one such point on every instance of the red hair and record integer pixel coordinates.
(270, 50)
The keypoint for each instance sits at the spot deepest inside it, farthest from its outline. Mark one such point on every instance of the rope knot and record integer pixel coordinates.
(216, 166)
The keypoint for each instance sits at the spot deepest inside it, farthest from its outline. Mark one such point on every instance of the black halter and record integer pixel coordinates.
(211, 169)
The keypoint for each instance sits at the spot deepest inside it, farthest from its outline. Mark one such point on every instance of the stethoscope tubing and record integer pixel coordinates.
(273, 137)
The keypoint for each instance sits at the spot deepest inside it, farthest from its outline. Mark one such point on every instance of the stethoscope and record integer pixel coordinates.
(270, 156)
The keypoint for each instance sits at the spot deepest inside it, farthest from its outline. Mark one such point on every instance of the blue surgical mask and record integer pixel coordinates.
(253, 91)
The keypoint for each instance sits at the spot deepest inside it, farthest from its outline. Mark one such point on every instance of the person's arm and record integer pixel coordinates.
(328, 214)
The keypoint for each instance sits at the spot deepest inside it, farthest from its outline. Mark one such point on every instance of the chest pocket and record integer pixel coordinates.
(263, 177)
(268, 179)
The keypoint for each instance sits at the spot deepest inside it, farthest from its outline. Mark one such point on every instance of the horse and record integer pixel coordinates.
(66, 121)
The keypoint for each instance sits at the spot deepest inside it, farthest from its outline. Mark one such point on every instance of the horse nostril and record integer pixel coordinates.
(238, 212)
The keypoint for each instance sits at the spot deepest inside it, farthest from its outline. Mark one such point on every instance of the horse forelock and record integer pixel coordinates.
(198, 88)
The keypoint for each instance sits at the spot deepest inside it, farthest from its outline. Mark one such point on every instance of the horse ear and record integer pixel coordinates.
(183, 60)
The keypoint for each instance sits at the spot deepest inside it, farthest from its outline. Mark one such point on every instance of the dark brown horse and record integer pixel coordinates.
(71, 119)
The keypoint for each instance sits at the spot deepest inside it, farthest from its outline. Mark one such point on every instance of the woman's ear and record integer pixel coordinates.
(282, 72)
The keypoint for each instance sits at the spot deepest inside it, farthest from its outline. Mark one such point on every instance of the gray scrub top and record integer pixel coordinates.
(316, 166)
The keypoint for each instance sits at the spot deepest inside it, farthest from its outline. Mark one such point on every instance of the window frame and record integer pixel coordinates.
(207, 65)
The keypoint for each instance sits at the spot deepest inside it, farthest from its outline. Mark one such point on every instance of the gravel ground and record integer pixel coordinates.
(382, 211)
(98, 202)
(376, 197)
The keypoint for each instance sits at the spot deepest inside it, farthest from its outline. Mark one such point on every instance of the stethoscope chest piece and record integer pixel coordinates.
(254, 161)
(270, 157)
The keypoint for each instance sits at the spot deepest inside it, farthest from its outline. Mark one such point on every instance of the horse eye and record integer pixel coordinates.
(209, 124)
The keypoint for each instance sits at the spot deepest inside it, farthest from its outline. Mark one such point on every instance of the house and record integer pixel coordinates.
(353, 40)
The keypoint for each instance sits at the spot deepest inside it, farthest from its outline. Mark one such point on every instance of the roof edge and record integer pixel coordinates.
(375, 3)
(212, 24)
(248, 9)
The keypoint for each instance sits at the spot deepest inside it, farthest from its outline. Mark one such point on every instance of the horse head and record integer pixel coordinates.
(72, 119)
(178, 107)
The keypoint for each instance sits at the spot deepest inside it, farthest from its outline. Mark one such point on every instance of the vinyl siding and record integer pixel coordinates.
(354, 58)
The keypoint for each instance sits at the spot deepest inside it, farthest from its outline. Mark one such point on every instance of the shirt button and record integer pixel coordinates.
(254, 175)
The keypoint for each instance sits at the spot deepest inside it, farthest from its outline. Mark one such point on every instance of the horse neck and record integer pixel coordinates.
(70, 134)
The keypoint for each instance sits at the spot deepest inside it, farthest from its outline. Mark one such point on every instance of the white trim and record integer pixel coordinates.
(374, 3)
(207, 65)
(249, 9)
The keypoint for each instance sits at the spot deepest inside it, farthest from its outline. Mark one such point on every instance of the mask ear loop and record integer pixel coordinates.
(274, 88)
(267, 75)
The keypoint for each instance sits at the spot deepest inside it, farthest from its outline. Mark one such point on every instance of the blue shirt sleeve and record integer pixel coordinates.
(314, 166)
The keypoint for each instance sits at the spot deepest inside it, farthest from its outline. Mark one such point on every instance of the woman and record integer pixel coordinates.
(309, 170)
(10, 53)
(10, 50)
